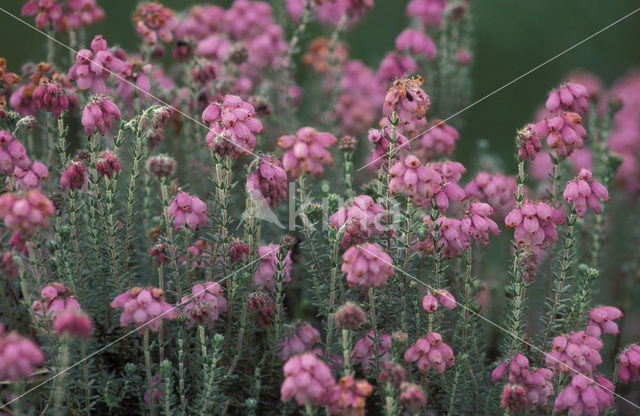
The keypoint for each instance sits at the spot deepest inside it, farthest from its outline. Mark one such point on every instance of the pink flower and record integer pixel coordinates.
(367, 349)
(568, 97)
(308, 379)
(99, 113)
(430, 352)
(32, 177)
(496, 190)
(155, 394)
(630, 364)
(25, 211)
(364, 209)
(307, 151)
(262, 306)
(143, 307)
(160, 254)
(135, 76)
(601, 320)
(18, 356)
(348, 397)
(52, 97)
(452, 239)
(12, 154)
(412, 396)
(408, 100)
(161, 166)
(367, 266)
(108, 164)
(446, 299)
(360, 93)
(430, 303)
(302, 338)
(528, 142)
(154, 21)
(585, 396)
(392, 373)
(350, 316)
(564, 132)
(74, 176)
(264, 277)
(93, 67)
(439, 139)
(205, 304)
(56, 298)
(8, 267)
(353, 233)
(531, 388)
(477, 224)
(189, 209)
(267, 181)
(232, 125)
(416, 181)
(237, 250)
(535, 223)
(417, 42)
(578, 351)
(584, 189)
(381, 140)
(73, 322)
(429, 12)
(47, 12)
(83, 13)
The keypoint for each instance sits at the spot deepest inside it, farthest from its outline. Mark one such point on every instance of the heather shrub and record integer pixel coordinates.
(186, 230)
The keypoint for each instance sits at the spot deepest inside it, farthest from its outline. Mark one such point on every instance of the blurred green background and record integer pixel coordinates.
(511, 37)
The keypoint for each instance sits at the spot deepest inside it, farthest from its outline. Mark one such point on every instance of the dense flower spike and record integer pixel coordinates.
(585, 395)
(528, 142)
(204, 305)
(350, 316)
(12, 154)
(30, 178)
(439, 139)
(367, 266)
(160, 254)
(407, 100)
(412, 396)
(47, 12)
(535, 223)
(363, 209)
(267, 181)
(568, 97)
(629, 360)
(307, 152)
(52, 97)
(348, 397)
(56, 298)
(564, 132)
(237, 250)
(18, 356)
(161, 166)
(188, 209)
(303, 338)
(601, 321)
(496, 190)
(93, 67)
(264, 277)
(143, 307)
(154, 22)
(108, 164)
(73, 322)
(361, 93)
(381, 143)
(584, 189)
(476, 223)
(99, 113)
(74, 176)
(307, 379)
(232, 126)
(24, 212)
(525, 387)
(577, 351)
(262, 306)
(367, 350)
(430, 352)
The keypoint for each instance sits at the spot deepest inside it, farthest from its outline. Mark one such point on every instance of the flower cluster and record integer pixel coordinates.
(430, 300)
(564, 132)
(12, 154)
(578, 351)
(154, 21)
(143, 307)
(264, 277)
(32, 177)
(568, 97)
(262, 306)
(407, 100)
(439, 138)
(303, 338)
(69, 15)
(52, 97)
(93, 67)
(307, 379)
(188, 209)
(535, 223)
(601, 321)
(585, 395)
(629, 360)
(494, 189)
(350, 316)
(584, 189)
(74, 176)
(525, 387)
(18, 355)
(204, 305)
(365, 210)
(417, 42)
(383, 151)
(430, 352)
(24, 212)
(368, 350)
(99, 113)
(307, 151)
(108, 164)
(367, 266)
(349, 396)
(267, 181)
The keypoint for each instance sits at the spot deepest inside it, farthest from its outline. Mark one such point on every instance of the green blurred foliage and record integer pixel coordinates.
(512, 37)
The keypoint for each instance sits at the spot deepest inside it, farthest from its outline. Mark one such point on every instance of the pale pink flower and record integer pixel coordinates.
(430, 352)
(143, 307)
(381, 141)
(18, 356)
(364, 209)
(585, 190)
(535, 223)
(585, 395)
(205, 304)
(99, 113)
(412, 396)
(564, 132)
(496, 189)
(25, 211)
(367, 350)
(578, 351)
(154, 22)
(429, 12)
(93, 67)
(348, 397)
(367, 266)
(601, 320)
(307, 379)
(188, 209)
(629, 360)
(439, 139)
(570, 96)
(350, 316)
(417, 42)
(267, 181)
(303, 337)
(264, 277)
(307, 151)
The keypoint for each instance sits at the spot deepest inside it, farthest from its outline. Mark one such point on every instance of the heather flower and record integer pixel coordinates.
(578, 351)
(308, 379)
(262, 306)
(477, 224)
(160, 254)
(232, 125)
(319, 56)
(564, 132)
(430, 303)
(143, 307)
(360, 95)
(584, 189)
(161, 166)
(525, 387)
(438, 139)
(381, 141)
(303, 338)
(601, 320)
(453, 240)
(367, 266)
(18, 244)
(412, 396)
(267, 181)
(367, 350)
(93, 67)
(188, 209)
(394, 66)
(417, 42)
(307, 152)
(12, 154)
(446, 299)
(18, 356)
(24, 212)
(350, 316)
(237, 249)
(629, 360)
(408, 100)
(497, 190)
(347, 143)
(348, 397)
(52, 97)
(353, 233)
(447, 187)
(584, 395)
(429, 12)
(568, 97)
(264, 277)
(205, 304)
(135, 76)
(415, 180)
(107, 164)
(73, 322)
(198, 253)
(528, 143)
(31, 178)
(82, 13)
(56, 298)
(365, 210)
(535, 223)
(392, 373)
(154, 21)
(74, 176)
(430, 352)
(99, 113)
(47, 12)
(156, 394)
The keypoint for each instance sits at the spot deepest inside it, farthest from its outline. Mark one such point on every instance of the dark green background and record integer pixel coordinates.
(511, 38)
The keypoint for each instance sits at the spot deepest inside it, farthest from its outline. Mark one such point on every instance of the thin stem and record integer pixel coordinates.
(147, 365)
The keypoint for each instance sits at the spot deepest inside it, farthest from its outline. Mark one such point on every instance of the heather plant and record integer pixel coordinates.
(187, 231)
